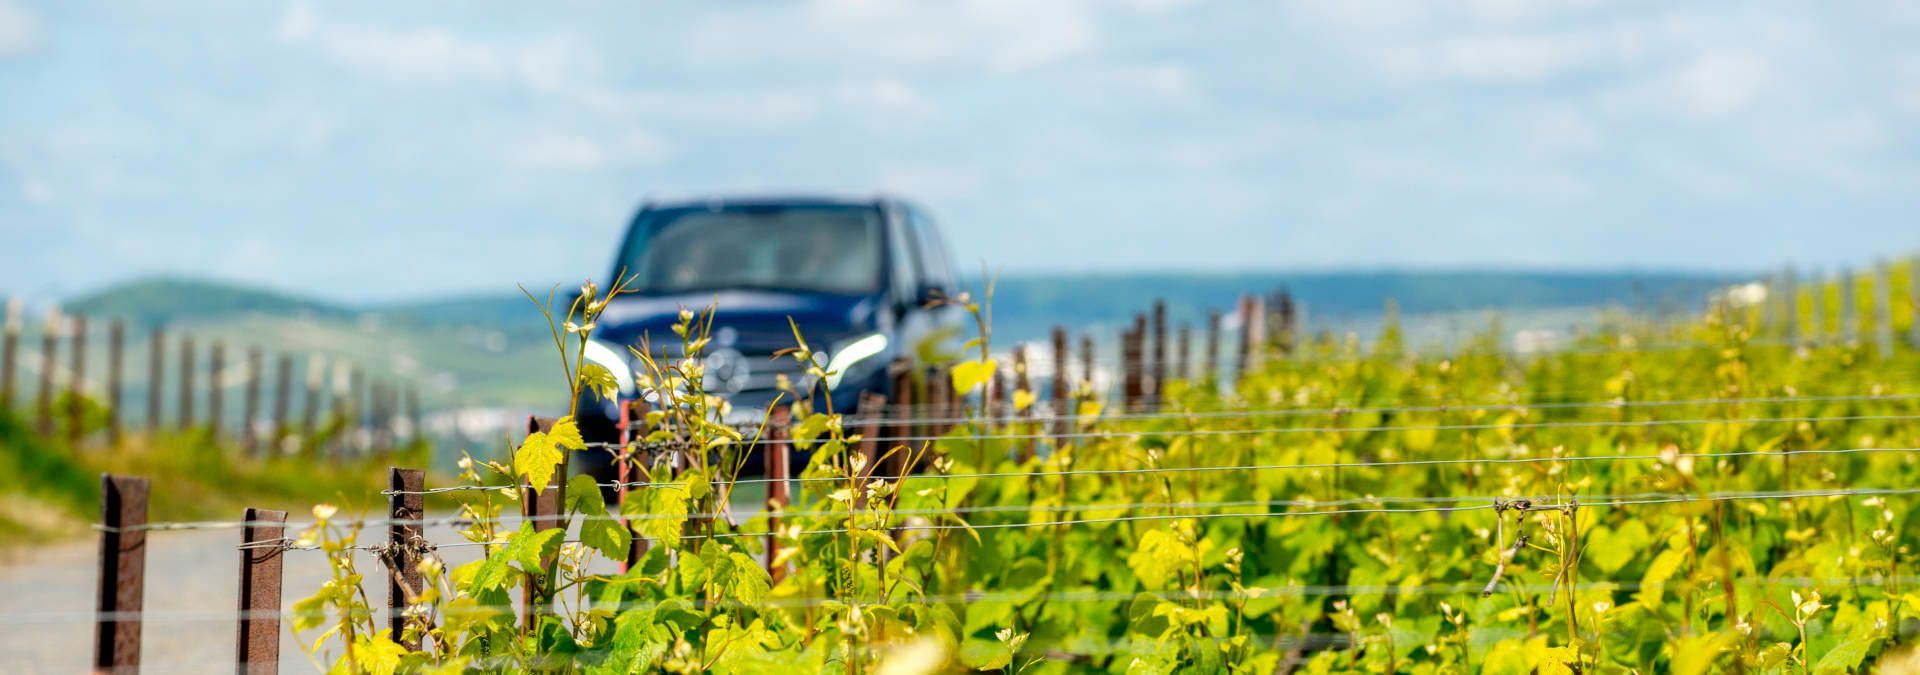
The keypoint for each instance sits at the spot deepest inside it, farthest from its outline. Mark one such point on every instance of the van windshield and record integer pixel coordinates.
(828, 248)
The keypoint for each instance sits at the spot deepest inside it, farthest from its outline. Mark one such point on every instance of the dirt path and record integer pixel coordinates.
(47, 600)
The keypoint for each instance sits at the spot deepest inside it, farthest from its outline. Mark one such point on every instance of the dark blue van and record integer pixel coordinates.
(856, 275)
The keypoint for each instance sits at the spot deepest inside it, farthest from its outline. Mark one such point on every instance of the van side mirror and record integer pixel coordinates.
(927, 294)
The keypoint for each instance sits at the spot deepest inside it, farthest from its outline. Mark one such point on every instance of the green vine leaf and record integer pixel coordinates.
(598, 530)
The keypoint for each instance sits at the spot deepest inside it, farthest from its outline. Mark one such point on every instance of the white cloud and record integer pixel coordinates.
(998, 35)
(1511, 58)
(433, 54)
(19, 29)
(570, 151)
(931, 181)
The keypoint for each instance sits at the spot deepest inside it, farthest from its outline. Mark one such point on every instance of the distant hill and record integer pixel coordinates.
(1341, 297)
(171, 299)
(1023, 305)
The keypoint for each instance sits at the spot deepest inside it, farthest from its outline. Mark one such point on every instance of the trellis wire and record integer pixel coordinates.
(1303, 430)
(1493, 503)
(1333, 590)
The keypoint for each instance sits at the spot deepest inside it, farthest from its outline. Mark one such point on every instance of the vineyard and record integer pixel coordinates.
(1727, 493)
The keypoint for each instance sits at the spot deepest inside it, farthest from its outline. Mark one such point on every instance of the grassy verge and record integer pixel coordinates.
(49, 491)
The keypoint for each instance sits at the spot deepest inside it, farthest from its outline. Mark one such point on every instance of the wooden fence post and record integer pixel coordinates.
(1256, 332)
(310, 404)
(543, 510)
(250, 403)
(261, 560)
(939, 404)
(282, 398)
(1159, 352)
(186, 382)
(1061, 410)
(1245, 310)
(405, 507)
(1913, 300)
(356, 410)
(123, 569)
(156, 377)
(1212, 369)
(413, 413)
(1818, 320)
(1883, 308)
(76, 383)
(1789, 292)
(1183, 352)
(49, 364)
(778, 459)
(1023, 382)
(1289, 322)
(216, 388)
(1849, 306)
(1086, 360)
(9, 351)
(871, 409)
(116, 364)
(1130, 368)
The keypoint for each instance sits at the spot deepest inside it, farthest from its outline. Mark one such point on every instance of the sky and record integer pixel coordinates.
(371, 151)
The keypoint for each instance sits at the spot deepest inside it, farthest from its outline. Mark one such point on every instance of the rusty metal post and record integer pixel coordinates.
(116, 364)
(1158, 392)
(405, 506)
(186, 382)
(156, 377)
(123, 570)
(216, 389)
(1022, 382)
(76, 383)
(250, 403)
(258, 647)
(49, 364)
(9, 351)
(543, 510)
(938, 405)
(778, 458)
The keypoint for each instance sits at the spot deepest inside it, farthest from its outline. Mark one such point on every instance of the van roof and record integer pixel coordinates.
(711, 201)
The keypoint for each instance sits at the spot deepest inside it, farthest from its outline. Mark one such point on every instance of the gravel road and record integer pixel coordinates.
(47, 598)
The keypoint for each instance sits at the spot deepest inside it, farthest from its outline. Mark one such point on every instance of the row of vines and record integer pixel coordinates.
(1718, 504)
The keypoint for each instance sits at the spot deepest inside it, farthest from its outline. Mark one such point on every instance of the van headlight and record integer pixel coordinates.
(853, 352)
(609, 357)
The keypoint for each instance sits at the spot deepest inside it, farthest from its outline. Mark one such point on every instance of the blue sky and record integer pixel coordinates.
(369, 151)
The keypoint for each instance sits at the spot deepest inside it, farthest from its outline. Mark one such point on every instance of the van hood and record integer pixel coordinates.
(750, 321)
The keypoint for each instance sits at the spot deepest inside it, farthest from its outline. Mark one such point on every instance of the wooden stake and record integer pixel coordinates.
(156, 377)
(543, 510)
(250, 403)
(76, 383)
(778, 457)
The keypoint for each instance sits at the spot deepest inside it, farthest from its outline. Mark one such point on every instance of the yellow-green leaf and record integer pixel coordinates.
(1022, 399)
(969, 375)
